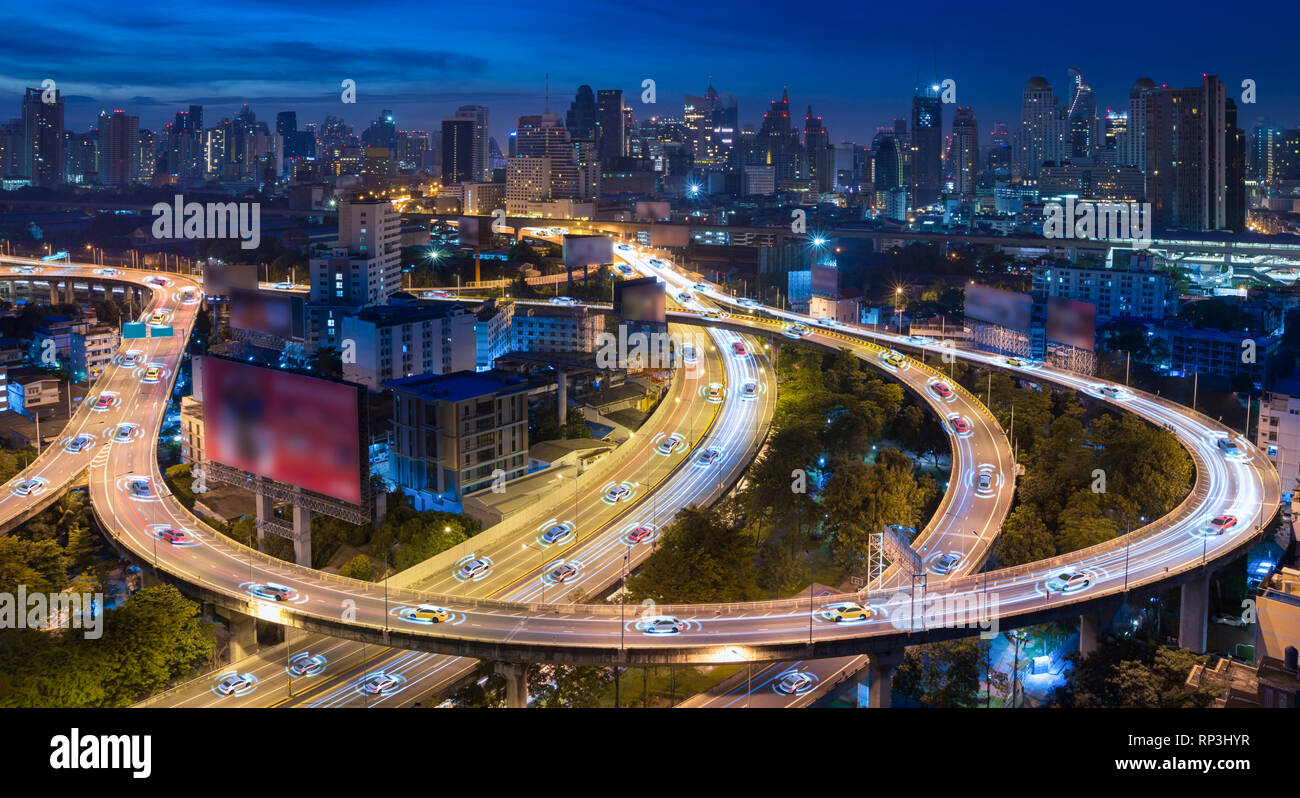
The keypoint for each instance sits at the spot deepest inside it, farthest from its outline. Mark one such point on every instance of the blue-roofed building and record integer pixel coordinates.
(457, 433)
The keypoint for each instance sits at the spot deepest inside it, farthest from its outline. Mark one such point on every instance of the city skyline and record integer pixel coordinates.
(506, 69)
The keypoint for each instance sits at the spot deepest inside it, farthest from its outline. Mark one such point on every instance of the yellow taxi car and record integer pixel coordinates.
(152, 374)
(849, 611)
(430, 613)
(894, 359)
(158, 318)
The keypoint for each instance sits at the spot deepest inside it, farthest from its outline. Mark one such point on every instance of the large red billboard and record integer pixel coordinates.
(1072, 322)
(291, 428)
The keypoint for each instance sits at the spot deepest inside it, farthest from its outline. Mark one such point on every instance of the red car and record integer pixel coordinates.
(942, 389)
(960, 426)
(639, 534)
(738, 348)
(172, 535)
(1223, 523)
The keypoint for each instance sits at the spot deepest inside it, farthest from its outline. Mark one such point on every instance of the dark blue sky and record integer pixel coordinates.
(856, 64)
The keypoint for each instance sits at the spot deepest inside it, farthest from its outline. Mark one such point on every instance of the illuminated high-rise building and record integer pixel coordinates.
(927, 146)
(42, 158)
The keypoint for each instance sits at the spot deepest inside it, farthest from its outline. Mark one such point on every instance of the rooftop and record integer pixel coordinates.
(459, 386)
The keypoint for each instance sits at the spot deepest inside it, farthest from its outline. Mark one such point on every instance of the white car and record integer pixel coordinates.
(946, 563)
(794, 682)
(668, 445)
(1068, 582)
(825, 322)
(746, 302)
(701, 286)
(123, 433)
(475, 567)
(283, 286)
(567, 301)
(662, 625)
(234, 683)
(380, 683)
(617, 493)
(749, 390)
(684, 297)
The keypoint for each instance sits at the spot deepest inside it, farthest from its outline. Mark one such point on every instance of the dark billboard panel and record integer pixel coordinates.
(474, 232)
(994, 306)
(588, 250)
(1072, 322)
(219, 279)
(640, 300)
(669, 235)
(280, 315)
(291, 428)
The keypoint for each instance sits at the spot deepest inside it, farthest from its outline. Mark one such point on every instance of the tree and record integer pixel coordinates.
(1131, 672)
(1024, 538)
(700, 559)
(943, 674)
(359, 567)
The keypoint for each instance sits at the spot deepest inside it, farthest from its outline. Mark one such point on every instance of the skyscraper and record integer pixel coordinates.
(458, 151)
(480, 166)
(119, 148)
(927, 146)
(581, 117)
(1234, 196)
(545, 136)
(42, 154)
(818, 156)
(1042, 129)
(1187, 156)
(1081, 116)
(965, 152)
(1133, 147)
(1265, 149)
(777, 141)
(609, 124)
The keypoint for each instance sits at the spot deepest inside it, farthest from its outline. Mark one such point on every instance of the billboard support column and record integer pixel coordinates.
(562, 396)
(302, 535)
(265, 512)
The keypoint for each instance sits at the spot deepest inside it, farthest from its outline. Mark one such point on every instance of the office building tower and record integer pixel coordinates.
(544, 136)
(1042, 130)
(363, 270)
(1081, 116)
(927, 146)
(777, 142)
(119, 148)
(818, 155)
(457, 151)
(42, 154)
(610, 120)
(480, 168)
(581, 117)
(1265, 151)
(1133, 148)
(1187, 156)
(1234, 196)
(965, 152)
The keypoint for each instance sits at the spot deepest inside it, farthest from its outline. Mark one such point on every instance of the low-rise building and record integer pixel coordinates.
(455, 434)
(403, 340)
(30, 391)
(93, 350)
(555, 328)
(1226, 354)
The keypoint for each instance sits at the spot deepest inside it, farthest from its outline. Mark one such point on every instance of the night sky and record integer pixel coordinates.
(856, 64)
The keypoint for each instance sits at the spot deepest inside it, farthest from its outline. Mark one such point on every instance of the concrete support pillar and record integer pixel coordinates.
(1193, 613)
(562, 395)
(302, 536)
(1089, 628)
(516, 683)
(880, 674)
(265, 512)
(243, 635)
